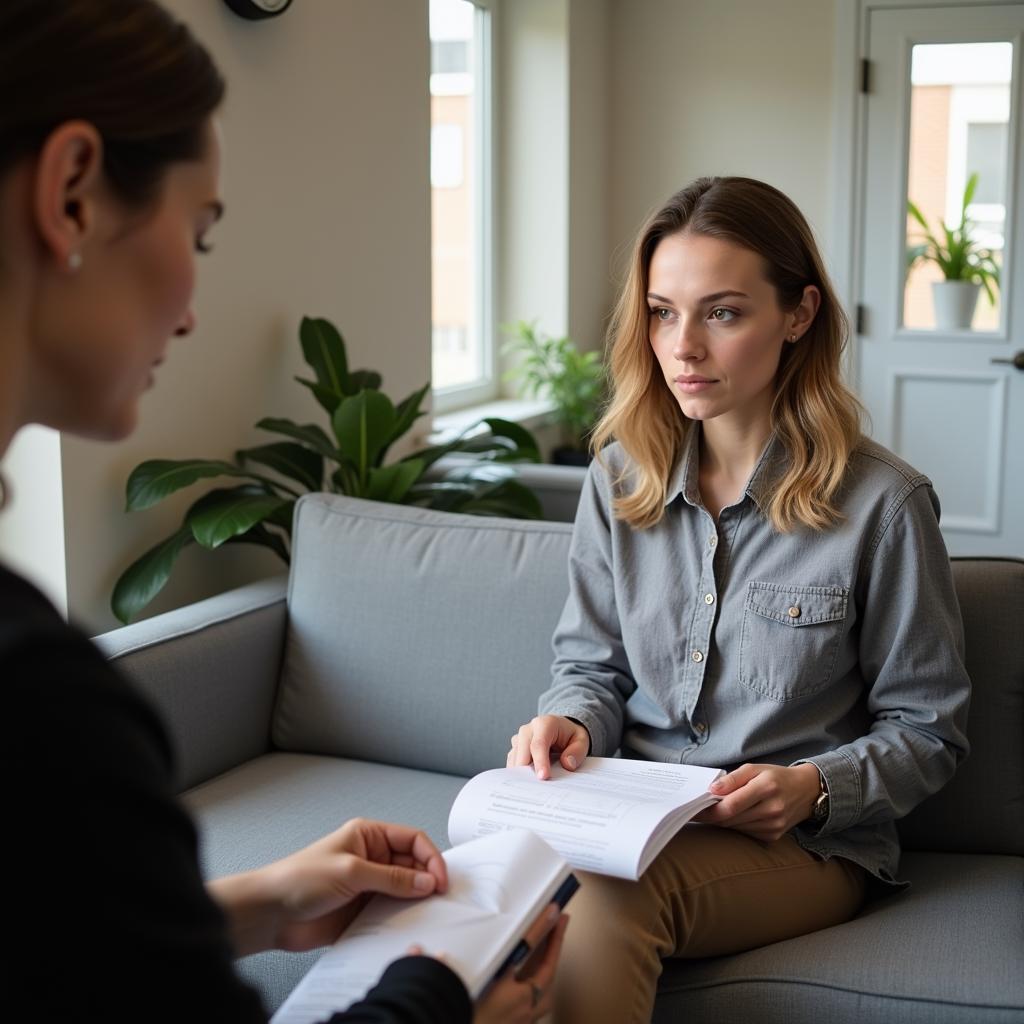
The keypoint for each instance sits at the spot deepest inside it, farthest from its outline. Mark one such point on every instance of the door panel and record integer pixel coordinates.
(945, 105)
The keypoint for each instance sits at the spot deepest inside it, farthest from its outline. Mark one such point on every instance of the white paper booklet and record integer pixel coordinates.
(612, 816)
(497, 886)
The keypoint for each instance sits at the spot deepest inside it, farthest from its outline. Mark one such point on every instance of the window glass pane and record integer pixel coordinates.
(457, 354)
(959, 115)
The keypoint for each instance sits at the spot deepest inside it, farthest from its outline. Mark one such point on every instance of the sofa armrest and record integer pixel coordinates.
(211, 669)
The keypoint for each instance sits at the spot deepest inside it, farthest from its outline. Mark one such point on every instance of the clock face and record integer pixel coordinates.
(256, 10)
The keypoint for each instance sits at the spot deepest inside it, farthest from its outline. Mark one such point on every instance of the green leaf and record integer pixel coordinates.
(294, 461)
(151, 481)
(392, 483)
(221, 515)
(363, 380)
(525, 443)
(969, 189)
(407, 412)
(324, 349)
(327, 398)
(147, 576)
(308, 434)
(507, 498)
(260, 535)
(362, 424)
(915, 212)
(345, 481)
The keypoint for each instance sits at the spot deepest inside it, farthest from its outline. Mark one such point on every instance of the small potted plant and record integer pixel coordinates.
(555, 368)
(966, 267)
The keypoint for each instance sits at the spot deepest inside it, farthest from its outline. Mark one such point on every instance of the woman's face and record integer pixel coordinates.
(107, 325)
(717, 329)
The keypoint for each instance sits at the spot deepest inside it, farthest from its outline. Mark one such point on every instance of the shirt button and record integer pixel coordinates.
(712, 541)
(709, 598)
(794, 612)
(701, 727)
(697, 656)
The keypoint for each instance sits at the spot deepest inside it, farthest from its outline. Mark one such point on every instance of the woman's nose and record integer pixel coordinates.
(687, 343)
(187, 325)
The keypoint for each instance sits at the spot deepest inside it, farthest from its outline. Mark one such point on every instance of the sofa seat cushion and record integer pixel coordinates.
(948, 950)
(278, 803)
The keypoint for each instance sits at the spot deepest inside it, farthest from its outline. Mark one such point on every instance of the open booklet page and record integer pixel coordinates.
(496, 888)
(611, 815)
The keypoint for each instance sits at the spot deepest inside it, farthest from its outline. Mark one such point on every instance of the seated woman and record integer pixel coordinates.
(108, 186)
(755, 586)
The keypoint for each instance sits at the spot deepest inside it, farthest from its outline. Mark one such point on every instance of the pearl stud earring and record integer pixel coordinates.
(74, 261)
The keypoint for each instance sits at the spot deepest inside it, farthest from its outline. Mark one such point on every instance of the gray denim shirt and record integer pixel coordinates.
(692, 642)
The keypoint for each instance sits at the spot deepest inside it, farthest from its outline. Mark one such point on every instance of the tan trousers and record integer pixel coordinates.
(711, 891)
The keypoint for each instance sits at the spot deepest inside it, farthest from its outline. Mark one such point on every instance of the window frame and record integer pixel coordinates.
(486, 387)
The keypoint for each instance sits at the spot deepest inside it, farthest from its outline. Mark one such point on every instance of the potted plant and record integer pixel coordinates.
(350, 459)
(966, 267)
(573, 380)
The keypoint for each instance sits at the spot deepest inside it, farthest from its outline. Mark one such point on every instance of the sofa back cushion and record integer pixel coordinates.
(982, 808)
(416, 638)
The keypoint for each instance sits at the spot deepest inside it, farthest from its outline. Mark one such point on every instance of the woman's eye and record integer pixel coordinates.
(661, 313)
(722, 315)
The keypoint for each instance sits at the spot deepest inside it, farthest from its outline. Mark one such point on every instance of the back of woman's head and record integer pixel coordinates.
(816, 418)
(126, 66)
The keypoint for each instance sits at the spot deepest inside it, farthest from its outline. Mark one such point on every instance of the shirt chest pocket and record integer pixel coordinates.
(790, 638)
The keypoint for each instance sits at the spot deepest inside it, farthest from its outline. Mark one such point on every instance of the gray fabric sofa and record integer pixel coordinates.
(406, 645)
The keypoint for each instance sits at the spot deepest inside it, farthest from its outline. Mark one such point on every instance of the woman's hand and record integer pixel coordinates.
(307, 899)
(524, 996)
(763, 800)
(546, 735)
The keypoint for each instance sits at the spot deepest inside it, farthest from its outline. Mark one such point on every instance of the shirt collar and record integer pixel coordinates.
(767, 471)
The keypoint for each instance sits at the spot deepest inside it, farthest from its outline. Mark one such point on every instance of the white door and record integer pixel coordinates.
(944, 104)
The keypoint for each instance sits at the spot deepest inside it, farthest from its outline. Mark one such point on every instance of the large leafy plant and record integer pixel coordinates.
(956, 254)
(557, 369)
(349, 459)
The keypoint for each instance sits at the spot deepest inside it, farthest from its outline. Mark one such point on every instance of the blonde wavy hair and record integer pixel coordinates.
(814, 414)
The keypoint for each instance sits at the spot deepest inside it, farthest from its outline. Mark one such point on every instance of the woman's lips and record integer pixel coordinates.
(694, 385)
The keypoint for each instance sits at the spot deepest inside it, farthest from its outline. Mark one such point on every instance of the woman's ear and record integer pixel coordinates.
(65, 191)
(804, 314)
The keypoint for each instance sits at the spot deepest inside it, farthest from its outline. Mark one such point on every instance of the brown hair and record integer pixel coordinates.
(126, 66)
(814, 415)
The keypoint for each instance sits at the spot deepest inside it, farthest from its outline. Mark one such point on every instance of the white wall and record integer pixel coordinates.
(32, 523)
(703, 87)
(590, 264)
(328, 206)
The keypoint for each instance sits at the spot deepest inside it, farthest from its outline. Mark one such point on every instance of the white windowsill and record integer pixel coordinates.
(529, 414)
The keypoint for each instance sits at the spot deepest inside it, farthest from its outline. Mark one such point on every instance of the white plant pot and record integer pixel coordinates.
(955, 302)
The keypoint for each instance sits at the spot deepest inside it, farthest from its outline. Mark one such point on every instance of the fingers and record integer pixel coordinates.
(413, 848)
(542, 924)
(391, 879)
(544, 975)
(736, 779)
(546, 734)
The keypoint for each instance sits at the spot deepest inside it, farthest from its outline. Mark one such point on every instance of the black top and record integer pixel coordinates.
(105, 904)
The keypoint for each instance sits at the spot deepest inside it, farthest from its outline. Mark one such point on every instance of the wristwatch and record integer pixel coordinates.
(819, 812)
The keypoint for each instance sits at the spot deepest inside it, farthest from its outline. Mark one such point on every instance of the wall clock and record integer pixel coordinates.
(257, 10)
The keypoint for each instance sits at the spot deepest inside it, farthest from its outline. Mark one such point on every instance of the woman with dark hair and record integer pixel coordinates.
(754, 586)
(109, 168)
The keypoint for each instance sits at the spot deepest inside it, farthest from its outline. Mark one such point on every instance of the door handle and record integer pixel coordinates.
(1017, 360)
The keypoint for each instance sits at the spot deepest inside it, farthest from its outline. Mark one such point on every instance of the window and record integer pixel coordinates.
(460, 177)
(959, 127)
